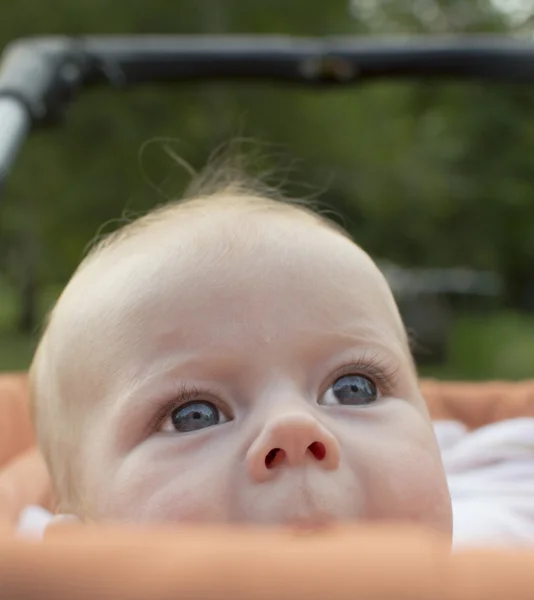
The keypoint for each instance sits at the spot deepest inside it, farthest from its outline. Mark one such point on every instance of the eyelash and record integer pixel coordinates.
(381, 371)
(184, 394)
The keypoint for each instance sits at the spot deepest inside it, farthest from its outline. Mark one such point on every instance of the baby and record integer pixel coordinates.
(234, 358)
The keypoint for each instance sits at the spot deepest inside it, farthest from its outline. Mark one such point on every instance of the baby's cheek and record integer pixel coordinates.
(402, 473)
(140, 489)
(415, 488)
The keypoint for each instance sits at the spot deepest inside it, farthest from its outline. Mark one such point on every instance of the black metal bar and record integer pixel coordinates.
(41, 75)
(312, 61)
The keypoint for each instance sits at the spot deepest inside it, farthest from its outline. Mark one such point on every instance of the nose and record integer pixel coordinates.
(290, 441)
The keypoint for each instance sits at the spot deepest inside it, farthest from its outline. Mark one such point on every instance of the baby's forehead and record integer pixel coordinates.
(198, 243)
(224, 264)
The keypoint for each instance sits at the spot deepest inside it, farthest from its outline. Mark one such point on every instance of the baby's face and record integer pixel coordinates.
(255, 372)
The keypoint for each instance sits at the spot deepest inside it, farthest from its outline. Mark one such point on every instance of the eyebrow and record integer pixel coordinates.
(368, 340)
(360, 332)
(174, 362)
(219, 364)
(164, 377)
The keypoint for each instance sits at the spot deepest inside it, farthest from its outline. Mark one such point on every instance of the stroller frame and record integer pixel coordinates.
(40, 76)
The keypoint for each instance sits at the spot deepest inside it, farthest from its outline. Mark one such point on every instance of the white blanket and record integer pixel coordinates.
(490, 472)
(491, 479)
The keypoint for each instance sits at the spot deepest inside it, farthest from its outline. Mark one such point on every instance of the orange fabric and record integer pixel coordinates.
(353, 562)
(479, 404)
(357, 562)
(23, 481)
(16, 434)
(23, 476)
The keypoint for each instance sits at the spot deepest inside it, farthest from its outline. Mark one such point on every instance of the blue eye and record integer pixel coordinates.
(352, 390)
(194, 416)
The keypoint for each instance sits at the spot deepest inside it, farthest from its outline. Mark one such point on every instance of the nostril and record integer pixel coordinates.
(318, 450)
(274, 457)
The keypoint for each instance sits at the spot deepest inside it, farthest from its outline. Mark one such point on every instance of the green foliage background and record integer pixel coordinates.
(433, 174)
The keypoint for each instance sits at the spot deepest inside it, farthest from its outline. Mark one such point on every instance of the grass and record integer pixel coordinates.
(497, 345)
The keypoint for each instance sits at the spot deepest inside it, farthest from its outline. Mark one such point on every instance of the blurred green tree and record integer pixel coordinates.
(425, 174)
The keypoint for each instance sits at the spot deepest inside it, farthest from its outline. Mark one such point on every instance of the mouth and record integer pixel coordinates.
(303, 498)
